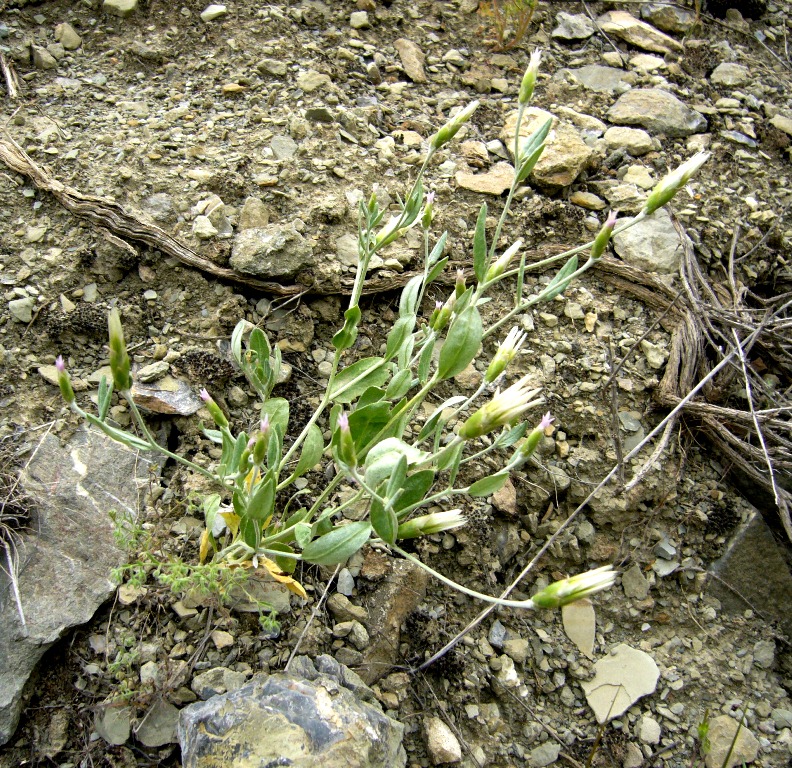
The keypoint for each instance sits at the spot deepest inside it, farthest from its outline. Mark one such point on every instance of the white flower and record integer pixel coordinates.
(507, 349)
(504, 408)
(574, 588)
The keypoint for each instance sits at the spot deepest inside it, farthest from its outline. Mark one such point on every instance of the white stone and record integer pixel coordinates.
(442, 744)
(649, 730)
(212, 12)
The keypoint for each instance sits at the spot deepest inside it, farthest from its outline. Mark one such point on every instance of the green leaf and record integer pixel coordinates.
(383, 520)
(560, 282)
(236, 456)
(366, 423)
(386, 455)
(262, 500)
(345, 338)
(409, 296)
(449, 458)
(480, 245)
(340, 544)
(277, 408)
(462, 343)
(399, 385)
(302, 534)
(371, 395)
(536, 139)
(436, 252)
(529, 163)
(507, 439)
(211, 505)
(489, 485)
(250, 530)
(436, 270)
(398, 335)
(286, 564)
(259, 344)
(429, 426)
(397, 478)
(425, 360)
(414, 489)
(275, 447)
(104, 397)
(354, 380)
(312, 451)
(215, 435)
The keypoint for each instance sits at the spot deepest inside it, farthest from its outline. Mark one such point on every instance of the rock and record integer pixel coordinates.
(597, 78)
(396, 596)
(730, 75)
(122, 8)
(647, 62)
(620, 679)
(359, 20)
(319, 115)
(152, 372)
(636, 141)
(274, 67)
(203, 228)
(343, 610)
(622, 197)
(167, 395)
(721, 736)
(634, 583)
(158, 727)
(67, 37)
(22, 309)
(764, 654)
(669, 18)
(657, 110)
(217, 681)
(114, 724)
(283, 147)
(573, 26)
(782, 123)
(587, 200)
(42, 58)
(322, 719)
(495, 182)
(649, 730)
(212, 12)
(271, 252)
(310, 80)
(412, 59)
(545, 754)
(639, 175)
(505, 499)
(254, 214)
(580, 624)
(65, 574)
(655, 357)
(565, 155)
(634, 757)
(653, 244)
(441, 743)
(769, 586)
(517, 649)
(636, 32)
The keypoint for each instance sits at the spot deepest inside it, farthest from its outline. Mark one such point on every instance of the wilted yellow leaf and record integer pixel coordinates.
(205, 546)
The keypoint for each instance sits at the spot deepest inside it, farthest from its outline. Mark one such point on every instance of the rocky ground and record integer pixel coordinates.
(218, 129)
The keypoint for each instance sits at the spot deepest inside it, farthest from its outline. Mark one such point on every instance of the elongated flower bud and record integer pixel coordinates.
(64, 382)
(346, 445)
(574, 588)
(499, 267)
(504, 408)
(443, 316)
(428, 214)
(459, 285)
(529, 78)
(603, 236)
(119, 359)
(669, 185)
(505, 354)
(449, 130)
(531, 442)
(435, 522)
(214, 409)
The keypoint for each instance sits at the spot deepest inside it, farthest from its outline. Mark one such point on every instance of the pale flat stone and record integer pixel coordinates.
(653, 244)
(573, 26)
(721, 736)
(121, 8)
(412, 59)
(495, 182)
(637, 32)
(580, 624)
(729, 74)
(657, 110)
(441, 743)
(587, 200)
(212, 12)
(311, 80)
(782, 123)
(635, 140)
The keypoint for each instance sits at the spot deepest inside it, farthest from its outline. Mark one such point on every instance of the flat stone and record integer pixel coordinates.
(600, 79)
(649, 730)
(653, 244)
(495, 182)
(22, 309)
(580, 624)
(66, 573)
(638, 33)
(744, 748)
(254, 214)
(635, 140)
(319, 715)
(158, 727)
(412, 59)
(274, 67)
(587, 200)
(344, 610)
(658, 111)
(441, 743)
(203, 228)
(647, 62)
(634, 583)
(217, 681)
(67, 37)
(114, 724)
(283, 147)
(782, 123)
(639, 175)
(272, 251)
(769, 586)
(565, 155)
(121, 8)
(310, 80)
(728, 74)
(152, 372)
(212, 12)
(669, 18)
(167, 395)
(545, 754)
(576, 26)
(359, 20)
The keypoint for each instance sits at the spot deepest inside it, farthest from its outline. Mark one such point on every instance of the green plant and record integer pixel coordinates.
(509, 20)
(394, 460)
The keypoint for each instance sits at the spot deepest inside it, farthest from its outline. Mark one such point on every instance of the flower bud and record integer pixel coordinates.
(63, 381)
(428, 214)
(346, 445)
(566, 591)
(531, 442)
(499, 267)
(505, 354)
(214, 410)
(603, 236)
(669, 185)
(459, 286)
(436, 522)
(119, 359)
(529, 78)
(443, 316)
(449, 130)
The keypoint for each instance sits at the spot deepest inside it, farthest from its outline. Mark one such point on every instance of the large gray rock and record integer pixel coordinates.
(68, 553)
(599, 78)
(653, 244)
(573, 27)
(271, 251)
(320, 716)
(669, 18)
(658, 111)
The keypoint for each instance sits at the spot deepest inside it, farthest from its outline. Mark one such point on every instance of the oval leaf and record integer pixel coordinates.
(277, 409)
(338, 545)
(461, 345)
(560, 282)
(488, 485)
(384, 522)
(355, 379)
(480, 245)
(312, 450)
